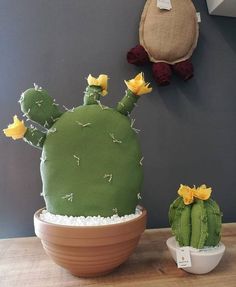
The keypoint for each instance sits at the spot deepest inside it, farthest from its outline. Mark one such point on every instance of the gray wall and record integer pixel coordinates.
(188, 129)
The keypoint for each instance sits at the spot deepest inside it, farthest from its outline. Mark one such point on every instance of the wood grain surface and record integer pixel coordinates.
(24, 263)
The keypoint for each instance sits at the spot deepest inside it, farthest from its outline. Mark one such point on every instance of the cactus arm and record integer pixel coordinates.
(92, 95)
(172, 209)
(96, 88)
(199, 224)
(34, 137)
(39, 107)
(179, 215)
(214, 223)
(175, 218)
(126, 105)
(136, 88)
(185, 224)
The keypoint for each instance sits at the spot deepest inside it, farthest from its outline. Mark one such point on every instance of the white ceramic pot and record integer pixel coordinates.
(203, 260)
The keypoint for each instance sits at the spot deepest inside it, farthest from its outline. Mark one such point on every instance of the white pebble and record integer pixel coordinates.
(87, 221)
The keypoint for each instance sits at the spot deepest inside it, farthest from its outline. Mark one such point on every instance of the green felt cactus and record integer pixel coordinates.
(91, 162)
(195, 218)
(35, 100)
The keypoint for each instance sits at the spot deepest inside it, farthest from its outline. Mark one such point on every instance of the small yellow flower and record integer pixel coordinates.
(16, 130)
(138, 85)
(203, 192)
(187, 193)
(101, 81)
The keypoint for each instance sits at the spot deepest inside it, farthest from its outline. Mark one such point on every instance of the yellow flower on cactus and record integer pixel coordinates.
(101, 81)
(187, 193)
(203, 192)
(138, 85)
(16, 130)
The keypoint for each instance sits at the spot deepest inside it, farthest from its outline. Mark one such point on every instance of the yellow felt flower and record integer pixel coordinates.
(138, 85)
(187, 193)
(16, 130)
(203, 192)
(101, 81)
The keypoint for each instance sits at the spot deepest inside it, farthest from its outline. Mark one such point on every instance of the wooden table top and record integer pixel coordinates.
(24, 263)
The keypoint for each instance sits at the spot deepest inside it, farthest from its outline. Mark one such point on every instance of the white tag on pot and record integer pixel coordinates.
(183, 257)
(198, 17)
(164, 4)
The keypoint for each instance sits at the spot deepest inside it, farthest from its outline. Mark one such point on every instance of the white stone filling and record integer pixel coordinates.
(206, 249)
(87, 221)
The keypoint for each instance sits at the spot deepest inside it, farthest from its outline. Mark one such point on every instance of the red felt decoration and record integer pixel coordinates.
(162, 73)
(137, 56)
(184, 69)
(167, 39)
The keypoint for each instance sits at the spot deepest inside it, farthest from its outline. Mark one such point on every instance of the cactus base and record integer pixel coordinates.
(202, 262)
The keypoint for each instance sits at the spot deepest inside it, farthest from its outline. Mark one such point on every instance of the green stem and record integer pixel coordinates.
(39, 107)
(35, 137)
(126, 105)
(92, 95)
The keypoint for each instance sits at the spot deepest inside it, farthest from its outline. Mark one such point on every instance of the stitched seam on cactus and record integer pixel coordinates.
(29, 142)
(51, 130)
(215, 213)
(69, 197)
(39, 103)
(69, 110)
(136, 130)
(132, 126)
(27, 113)
(39, 141)
(54, 119)
(201, 240)
(33, 129)
(21, 98)
(37, 87)
(83, 125)
(101, 106)
(54, 104)
(46, 124)
(139, 196)
(109, 176)
(115, 210)
(77, 159)
(43, 159)
(114, 139)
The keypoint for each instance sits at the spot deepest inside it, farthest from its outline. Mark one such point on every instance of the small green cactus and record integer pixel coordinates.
(91, 161)
(195, 218)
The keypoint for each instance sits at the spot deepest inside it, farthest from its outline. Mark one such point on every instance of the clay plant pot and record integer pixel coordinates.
(90, 251)
(203, 260)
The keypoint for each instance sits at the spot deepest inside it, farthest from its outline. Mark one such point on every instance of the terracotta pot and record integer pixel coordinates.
(90, 251)
(203, 261)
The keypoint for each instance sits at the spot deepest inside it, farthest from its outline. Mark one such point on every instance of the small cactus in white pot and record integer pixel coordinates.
(195, 221)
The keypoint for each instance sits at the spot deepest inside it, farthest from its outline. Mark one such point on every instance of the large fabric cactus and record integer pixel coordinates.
(91, 162)
(195, 218)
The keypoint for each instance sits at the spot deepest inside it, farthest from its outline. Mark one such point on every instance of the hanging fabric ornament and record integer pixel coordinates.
(168, 35)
